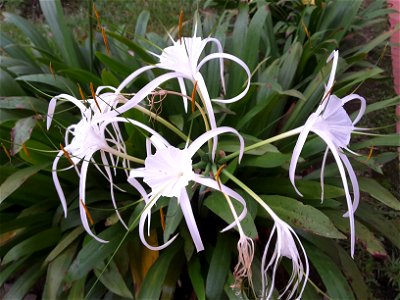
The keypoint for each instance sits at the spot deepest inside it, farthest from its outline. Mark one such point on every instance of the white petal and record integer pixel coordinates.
(141, 94)
(82, 187)
(57, 183)
(145, 213)
(342, 172)
(322, 174)
(52, 106)
(298, 147)
(221, 61)
(109, 175)
(132, 76)
(331, 80)
(202, 139)
(362, 105)
(354, 182)
(236, 60)
(186, 208)
(183, 92)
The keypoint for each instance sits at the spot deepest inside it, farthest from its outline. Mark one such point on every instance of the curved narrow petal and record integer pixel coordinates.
(202, 139)
(109, 175)
(342, 172)
(82, 198)
(57, 183)
(132, 76)
(186, 208)
(52, 106)
(133, 122)
(363, 105)
(328, 89)
(354, 182)
(141, 94)
(202, 90)
(145, 213)
(224, 189)
(183, 91)
(221, 61)
(298, 147)
(236, 60)
(321, 176)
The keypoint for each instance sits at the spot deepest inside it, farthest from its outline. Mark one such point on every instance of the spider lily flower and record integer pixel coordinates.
(332, 123)
(168, 172)
(85, 138)
(182, 60)
(285, 246)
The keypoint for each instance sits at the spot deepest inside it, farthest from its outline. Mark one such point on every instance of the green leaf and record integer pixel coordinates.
(64, 243)
(153, 282)
(21, 132)
(56, 81)
(141, 23)
(172, 219)
(81, 76)
(333, 279)
(15, 180)
(33, 244)
(377, 191)
(29, 30)
(387, 140)
(363, 235)
(94, 252)
(309, 189)
(62, 35)
(108, 78)
(217, 203)
(24, 282)
(302, 216)
(8, 85)
(113, 280)
(10, 270)
(219, 267)
(269, 160)
(29, 103)
(133, 46)
(55, 273)
(194, 270)
(375, 219)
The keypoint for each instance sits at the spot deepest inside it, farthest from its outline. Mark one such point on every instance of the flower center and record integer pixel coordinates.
(168, 171)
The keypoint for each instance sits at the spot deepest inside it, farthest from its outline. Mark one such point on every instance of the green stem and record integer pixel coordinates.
(264, 142)
(123, 155)
(162, 121)
(251, 193)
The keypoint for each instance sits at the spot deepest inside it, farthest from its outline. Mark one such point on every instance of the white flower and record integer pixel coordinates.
(285, 246)
(182, 60)
(332, 123)
(85, 138)
(168, 172)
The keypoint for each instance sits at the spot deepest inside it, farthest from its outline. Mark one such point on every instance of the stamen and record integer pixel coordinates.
(328, 93)
(94, 96)
(6, 151)
(371, 150)
(162, 219)
(307, 32)
(194, 96)
(81, 93)
(25, 149)
(97, 16)
(66, 154)
(87, 213)
(180, 26)
(51, 70)
(216, 176)
(103, 33)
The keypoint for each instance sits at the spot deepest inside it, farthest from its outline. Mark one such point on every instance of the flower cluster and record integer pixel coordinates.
(168, 171)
